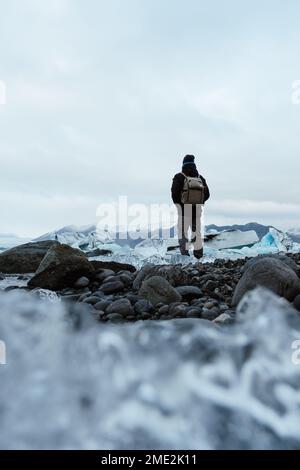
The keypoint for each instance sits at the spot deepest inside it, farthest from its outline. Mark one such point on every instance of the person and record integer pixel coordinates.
(189, 211)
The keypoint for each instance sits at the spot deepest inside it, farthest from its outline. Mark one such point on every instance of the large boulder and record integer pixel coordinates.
(271, 273)
(157, 290)
(61, 267)
(280, 256)
(24, 258)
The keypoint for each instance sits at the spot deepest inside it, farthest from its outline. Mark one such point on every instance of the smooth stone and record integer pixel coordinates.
(92, 300)
(115, 318)
(271, 273)
(102, 274)
(164, 310)
(157, 289)
(102, 305)
(194, 313)
(210, 285)
(121, 306)
(189, 292)
(82, 282)
(209, 314)
(179, 310)
(112, 287)
(143, 306)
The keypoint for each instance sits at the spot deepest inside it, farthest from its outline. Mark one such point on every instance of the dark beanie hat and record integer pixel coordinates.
(188, 160)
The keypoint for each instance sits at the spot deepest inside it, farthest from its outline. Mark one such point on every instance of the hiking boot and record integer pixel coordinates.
(183, 243)
(198, 253)
(185, 252)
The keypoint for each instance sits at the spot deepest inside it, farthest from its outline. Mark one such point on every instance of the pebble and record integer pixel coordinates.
(143, 306)
(112, 287)
(82, 282)
(115, 318)
(102, 305)
(121, 306)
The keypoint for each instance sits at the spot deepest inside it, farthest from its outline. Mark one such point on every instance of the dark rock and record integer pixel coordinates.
(102, 305)
(102, 274)
(112, 287)
(82, 282)
(92, 300)
(60, 268)
(210, 285)
(179, 311)
(209, 314)
(194, 313)
(164, 310)
(143, 306)
(121, 306)
(189, 292)
(10, 288)
(126, 279)
(296, 303)
(281, 257)
(157, 289)
(141, 275)
(112, 279)
(146, 316)
(133, 298)
(271, 273)
(115, 318)
(98, 252)
(2, 277)
(112, 265)
(175, 275)
(24, 258)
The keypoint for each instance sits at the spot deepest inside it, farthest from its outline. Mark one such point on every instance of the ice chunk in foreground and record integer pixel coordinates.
(182, 384)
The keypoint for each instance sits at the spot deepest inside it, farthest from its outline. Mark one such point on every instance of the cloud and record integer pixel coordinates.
(282, 215)
(121, 91)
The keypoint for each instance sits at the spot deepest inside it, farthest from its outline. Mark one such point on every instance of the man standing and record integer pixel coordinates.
(189, 193)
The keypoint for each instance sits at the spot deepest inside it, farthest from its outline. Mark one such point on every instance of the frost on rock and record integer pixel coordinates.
(181, 384)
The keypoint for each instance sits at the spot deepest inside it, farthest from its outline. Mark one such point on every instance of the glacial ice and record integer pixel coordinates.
(181, 384)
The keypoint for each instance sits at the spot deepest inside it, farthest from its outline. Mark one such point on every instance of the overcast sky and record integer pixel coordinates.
(104, 98)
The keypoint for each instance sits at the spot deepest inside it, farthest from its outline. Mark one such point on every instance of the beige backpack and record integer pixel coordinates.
(193, 190)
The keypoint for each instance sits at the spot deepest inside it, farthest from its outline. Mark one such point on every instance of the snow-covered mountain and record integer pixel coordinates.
(294, 233)
(8, 241)
(161, 246)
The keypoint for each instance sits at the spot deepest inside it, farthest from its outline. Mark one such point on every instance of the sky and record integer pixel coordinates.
(104, 98)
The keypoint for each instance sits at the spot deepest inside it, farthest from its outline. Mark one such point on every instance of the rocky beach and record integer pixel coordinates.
(101, 354)
(117, 292)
